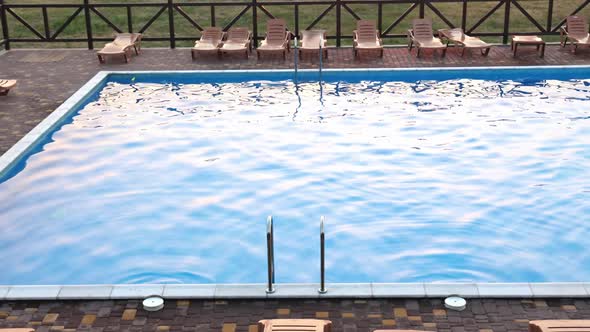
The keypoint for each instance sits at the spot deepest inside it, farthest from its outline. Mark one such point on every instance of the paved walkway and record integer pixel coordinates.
(241, 316)
(48, 77)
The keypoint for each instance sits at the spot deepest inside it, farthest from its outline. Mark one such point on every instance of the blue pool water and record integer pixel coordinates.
(479, 175)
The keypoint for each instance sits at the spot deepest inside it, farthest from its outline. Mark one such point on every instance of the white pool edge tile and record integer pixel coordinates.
(294, 291)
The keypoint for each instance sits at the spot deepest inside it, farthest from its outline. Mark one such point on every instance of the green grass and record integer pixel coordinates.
(476, 10)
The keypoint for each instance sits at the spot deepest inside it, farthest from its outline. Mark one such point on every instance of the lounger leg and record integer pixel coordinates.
(575, 48)
(542, 50)
(100, 59)
(136, 51)
(4, 92)
(515, 48)
(193, 55)
(486, 52)
(443, 52)
(410, 45)
(462, 51)
(564, 41)
(418, 52)
(126, 57)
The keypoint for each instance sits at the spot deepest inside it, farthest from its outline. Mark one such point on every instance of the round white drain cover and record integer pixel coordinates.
(455, 303)
(153, 303)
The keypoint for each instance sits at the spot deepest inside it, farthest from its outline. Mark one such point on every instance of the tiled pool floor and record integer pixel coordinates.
(240, 316)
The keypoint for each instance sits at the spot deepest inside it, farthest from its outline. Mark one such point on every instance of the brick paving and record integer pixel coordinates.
(481, 315)
(48, 77)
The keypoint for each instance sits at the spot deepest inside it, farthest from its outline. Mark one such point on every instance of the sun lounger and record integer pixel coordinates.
(209, 44)
(459, 38)
(17, 330)
(422, 36)
(239, 40)
(366, 38)
(566, 325)
(121, 46)
(5, 86)
(277, 38)
(294, 325)
(575, 30)
(311, 41)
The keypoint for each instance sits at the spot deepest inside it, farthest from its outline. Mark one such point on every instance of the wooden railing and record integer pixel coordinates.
(257, 11)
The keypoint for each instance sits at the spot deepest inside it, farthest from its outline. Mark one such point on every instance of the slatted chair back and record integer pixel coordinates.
(294, 325)
(366, 31)
(212, 35)
(422, 29)
(577, 26)
(276, 31)
(238, 34)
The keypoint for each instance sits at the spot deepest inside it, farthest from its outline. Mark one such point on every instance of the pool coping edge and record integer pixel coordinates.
(294, 291)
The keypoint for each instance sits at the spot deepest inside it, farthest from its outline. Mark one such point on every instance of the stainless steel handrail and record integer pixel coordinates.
(270, 255)
(296, 56)
(322, 289)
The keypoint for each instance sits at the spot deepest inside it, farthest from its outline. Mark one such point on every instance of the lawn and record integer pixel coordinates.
(307, 13)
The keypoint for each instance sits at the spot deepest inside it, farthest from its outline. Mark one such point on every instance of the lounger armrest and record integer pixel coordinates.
(355, 36)
(410, 34)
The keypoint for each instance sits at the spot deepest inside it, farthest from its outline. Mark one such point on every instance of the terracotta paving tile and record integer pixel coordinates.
(50, 319)
(129, 314)
(229, 327)
(322, 314)
(388, 322)
(439, 312)
(283, 312)
(88, 319)
(400, 312)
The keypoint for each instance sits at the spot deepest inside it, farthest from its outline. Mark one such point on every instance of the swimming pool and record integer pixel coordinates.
(422, 175)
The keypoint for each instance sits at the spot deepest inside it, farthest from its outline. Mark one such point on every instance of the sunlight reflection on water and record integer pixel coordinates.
(429, 181)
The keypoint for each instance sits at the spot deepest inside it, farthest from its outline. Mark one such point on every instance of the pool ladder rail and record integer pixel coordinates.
(296, 58)
(270, 256)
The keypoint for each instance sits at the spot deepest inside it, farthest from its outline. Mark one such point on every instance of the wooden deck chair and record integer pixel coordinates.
(366, 38)
(422, 36)
(238, 40)
(466, 42)
(311, 41)
(5, 86)
(121, 46)
(565, 325)
(294, 325)
(575, 30)
(209, 43)
(277, 38)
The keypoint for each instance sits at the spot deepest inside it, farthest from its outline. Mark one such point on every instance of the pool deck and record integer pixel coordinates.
(48, 77)
(347, 315)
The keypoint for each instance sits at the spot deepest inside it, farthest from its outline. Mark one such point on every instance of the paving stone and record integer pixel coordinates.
(388, 322)
(129, 314)
(400, 312)
(231, 327)
(50, 319)
(322, 314)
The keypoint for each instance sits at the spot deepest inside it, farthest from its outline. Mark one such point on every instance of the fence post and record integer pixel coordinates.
(380, 18)
(464, 16)
(4, 25)
(171, 23)
(255, 23)
(88, 25)
(506, 21)
(422, 8)
(338, 23)
(550, 16)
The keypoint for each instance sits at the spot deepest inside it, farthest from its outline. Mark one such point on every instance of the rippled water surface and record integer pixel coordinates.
(426, 181)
